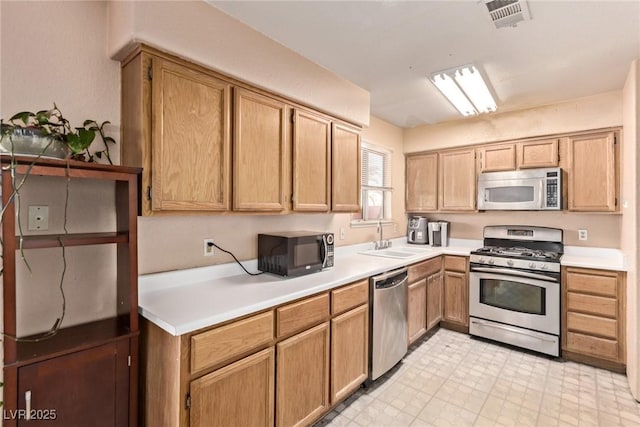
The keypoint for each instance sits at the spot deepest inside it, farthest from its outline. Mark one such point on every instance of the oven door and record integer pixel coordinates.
(514, 297)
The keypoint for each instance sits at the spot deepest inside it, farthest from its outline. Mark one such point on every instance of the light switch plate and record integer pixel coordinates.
(38, 218)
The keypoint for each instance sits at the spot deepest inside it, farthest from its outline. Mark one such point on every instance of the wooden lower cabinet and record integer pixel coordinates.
(593, 317)
(349, 352)
(89, 387)
(240, 394)
(456, 293)
(302, 379)
(417, 310)
(434, 300)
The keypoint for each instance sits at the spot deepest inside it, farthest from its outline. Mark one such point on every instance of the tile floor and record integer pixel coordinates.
(451, 379)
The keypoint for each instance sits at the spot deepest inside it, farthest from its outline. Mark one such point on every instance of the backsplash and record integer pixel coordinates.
(170, 243)
(603, 229)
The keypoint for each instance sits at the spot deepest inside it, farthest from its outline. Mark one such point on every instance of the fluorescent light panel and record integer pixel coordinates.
(467, 79)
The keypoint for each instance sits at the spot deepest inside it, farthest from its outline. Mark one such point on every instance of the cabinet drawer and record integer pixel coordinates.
(349, 296)
(214, 347)
(592, 325)
(595, 346)
(591, 304)
(302, 314)
(423, 269)
(455, 263)
(592, 282)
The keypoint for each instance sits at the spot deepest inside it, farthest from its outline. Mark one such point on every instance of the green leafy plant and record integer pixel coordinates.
(52, 124)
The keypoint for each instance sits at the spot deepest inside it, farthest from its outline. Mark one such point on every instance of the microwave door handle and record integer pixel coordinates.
(486, 194)
(324, 249)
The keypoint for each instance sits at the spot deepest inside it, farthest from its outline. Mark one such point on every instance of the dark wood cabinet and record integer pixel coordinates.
(85, 374)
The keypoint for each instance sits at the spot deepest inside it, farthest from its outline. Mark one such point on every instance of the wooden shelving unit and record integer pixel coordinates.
(87, 373)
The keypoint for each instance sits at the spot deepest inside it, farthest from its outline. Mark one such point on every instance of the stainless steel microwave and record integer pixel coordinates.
(294, 253)
(523, 190)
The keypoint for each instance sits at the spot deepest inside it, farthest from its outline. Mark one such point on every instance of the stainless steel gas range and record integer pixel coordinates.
(514, 287)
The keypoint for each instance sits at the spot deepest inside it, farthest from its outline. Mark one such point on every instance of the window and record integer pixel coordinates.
(375, 180)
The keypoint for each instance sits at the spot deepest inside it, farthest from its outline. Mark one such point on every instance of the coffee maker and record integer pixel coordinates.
(417, 230)
(438, 232)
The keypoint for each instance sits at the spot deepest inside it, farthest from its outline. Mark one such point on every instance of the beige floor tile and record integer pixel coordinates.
(451, 379)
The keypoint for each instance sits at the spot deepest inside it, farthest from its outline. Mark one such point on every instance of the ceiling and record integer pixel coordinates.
(569, 49)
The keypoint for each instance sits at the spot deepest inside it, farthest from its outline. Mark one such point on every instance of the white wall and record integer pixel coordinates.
(631, 219)
(204, 34)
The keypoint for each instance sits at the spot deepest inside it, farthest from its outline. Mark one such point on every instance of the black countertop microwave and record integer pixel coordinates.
(295, 253)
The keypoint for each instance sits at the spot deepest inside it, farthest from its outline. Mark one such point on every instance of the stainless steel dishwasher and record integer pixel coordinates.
(388, 336)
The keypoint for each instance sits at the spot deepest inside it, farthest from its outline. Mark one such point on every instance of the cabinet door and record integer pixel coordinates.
(422, 182)
(240, 394)
(190, 139)
(345, 169)
(259, 152)
(593, 316)
(87, 388)
(538, 154)
(455, 298)
(434, 300)
(592, 173)
(417, 310)
(457, 184)
(302, 382)
(501, 157)
(311, 162)
(349, 351)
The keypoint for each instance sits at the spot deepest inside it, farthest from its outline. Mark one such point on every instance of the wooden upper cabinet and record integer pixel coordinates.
(259, 152)
(422, 182)
(311, 162)
(538, 154)
(457, 180)
(501, 157)
(187, 164)
(592, 184)
(190, 139)
(345, 168)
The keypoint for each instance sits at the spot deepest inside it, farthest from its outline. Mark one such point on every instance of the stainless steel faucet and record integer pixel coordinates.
(381, 243)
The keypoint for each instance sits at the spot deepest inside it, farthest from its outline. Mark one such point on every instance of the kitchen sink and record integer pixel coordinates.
(391, 253)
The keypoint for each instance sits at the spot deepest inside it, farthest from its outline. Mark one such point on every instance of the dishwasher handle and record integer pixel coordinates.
(391, 279)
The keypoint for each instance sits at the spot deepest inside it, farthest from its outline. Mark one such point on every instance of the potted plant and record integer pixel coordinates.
(48, 133)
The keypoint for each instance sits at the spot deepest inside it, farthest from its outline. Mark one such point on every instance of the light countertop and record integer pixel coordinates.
(183, 301)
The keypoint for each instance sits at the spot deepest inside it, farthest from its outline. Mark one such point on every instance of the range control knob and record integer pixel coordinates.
(510, 263)
(545, 267)
(532, 265)
(491, 261)
(481, 260)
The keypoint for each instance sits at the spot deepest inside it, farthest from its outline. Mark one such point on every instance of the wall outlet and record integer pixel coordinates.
(395, 227)
(582, 234)
(208, 247)
(38, 218)
(341, 233)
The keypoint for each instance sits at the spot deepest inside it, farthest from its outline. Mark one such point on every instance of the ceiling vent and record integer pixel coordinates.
(507, 13)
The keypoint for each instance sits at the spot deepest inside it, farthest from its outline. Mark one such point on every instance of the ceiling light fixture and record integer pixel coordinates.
(465, 89)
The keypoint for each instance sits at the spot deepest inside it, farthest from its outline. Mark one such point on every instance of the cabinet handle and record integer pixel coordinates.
(27, 404)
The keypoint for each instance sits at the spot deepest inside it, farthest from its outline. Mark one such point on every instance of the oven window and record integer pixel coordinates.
(520, 194)
(513, 296)
(306, 253)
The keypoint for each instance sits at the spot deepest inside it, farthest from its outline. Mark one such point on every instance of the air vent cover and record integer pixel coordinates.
(507, 13)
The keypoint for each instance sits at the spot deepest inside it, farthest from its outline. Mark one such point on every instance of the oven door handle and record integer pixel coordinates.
(517, 273)
(513, 330)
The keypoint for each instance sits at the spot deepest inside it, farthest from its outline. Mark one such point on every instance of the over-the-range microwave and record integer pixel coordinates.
(523, 190)
(294, 253)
